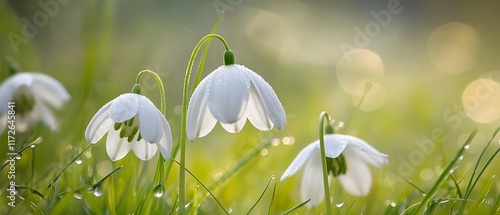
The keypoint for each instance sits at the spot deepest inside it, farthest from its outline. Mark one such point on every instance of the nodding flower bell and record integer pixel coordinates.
(347, 159)
(231, 94)
(133, 123)
(31, 92)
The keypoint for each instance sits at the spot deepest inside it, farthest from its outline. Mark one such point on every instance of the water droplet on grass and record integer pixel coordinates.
(79, 161)
(33, 146)
(78, 195)
(97, 192)
(339, 205)
(159, 190)
(393, 204)
(467, 146)
(461, 157)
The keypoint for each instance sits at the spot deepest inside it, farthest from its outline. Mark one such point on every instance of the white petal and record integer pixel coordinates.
(124, 107)
(357, 180)
(235, 127)
(144, 150)
(117, 147)
(166, 143)
(49, 89)
(149, 120)
(10, 85)
(228, 92)
(99, 124)
(46, 115)
(335, 144)
(366, 151)
(311, 186)
(274, 110)
(256, 112)
(207, 122)
(299, 161)
(199, 121)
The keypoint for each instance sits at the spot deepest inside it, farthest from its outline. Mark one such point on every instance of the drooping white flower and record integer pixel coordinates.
(31, 92)
(132, 122)
(231, 94)
(351, 168)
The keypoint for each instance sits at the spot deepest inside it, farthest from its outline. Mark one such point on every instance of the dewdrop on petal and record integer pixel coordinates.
(133, 123)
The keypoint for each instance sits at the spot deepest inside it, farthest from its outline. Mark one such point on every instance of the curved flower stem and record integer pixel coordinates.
(159, 177)
(205, 52)
(326, 186)
(160, 85)
(182, 173)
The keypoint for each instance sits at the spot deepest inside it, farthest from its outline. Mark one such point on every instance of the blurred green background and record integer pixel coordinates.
(422, 57)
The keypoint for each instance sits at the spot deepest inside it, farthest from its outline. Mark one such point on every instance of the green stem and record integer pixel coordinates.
(160, 167)
(160, 85)
(326, 186)
(182, 174)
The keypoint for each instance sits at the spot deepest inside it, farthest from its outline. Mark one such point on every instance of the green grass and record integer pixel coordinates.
(96, 50)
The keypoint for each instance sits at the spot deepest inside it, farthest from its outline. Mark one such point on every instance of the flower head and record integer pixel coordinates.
(231, 94)
(132, 122)
(348, 158)
(31, 92)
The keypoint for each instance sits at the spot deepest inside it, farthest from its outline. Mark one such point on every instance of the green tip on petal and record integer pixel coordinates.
(136, 89)
(336, 166)
(228, 58)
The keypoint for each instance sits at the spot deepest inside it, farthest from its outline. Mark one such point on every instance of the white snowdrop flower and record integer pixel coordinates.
(132, 122)
(231, 94)
(31, 92)
(347, 159)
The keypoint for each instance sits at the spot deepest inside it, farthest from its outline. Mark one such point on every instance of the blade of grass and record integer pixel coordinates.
(456, 186)
(415, 186)
(32, 144)
(69, 164)
(269, 211)
(98, 184)
(496, 207)
(445, 174)
(111, 197)
(467, 190)
(233, 170)
(31, 190)
(206, 188)
(481, 198)
(350, 206)
(296, 207)
(261, 195)
(472, 182)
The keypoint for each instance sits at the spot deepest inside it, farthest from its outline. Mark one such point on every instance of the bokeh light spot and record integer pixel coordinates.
(288, 140)
(453, 47)
(273, 33)
(357, 67)
(481, 100)
(426, 174)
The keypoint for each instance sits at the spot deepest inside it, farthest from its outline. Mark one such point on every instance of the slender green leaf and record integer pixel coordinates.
(261, 195)
(297, 207)
(446, 172)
